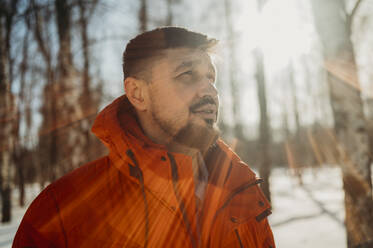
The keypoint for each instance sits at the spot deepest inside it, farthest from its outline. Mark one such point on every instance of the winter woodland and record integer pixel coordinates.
(296, 92)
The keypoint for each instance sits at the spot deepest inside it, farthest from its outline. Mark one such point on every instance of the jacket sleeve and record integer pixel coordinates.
(263, 237)
(41, 225)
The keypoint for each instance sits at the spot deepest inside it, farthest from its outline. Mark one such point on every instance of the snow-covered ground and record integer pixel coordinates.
(305, 216)
(8, 231)
(311, 215)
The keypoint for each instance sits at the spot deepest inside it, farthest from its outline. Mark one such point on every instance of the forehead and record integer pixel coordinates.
(178, 58)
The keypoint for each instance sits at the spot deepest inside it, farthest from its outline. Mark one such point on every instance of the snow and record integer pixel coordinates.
(304, 216)
(311, 215)
(7, 231)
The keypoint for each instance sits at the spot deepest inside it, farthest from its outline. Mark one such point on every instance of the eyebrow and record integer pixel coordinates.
(191, 63)
(187, 64)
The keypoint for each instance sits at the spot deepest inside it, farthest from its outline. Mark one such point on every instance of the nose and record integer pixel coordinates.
(208, 89)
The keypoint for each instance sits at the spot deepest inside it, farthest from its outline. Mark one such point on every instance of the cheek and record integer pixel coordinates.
(181, 112)
(174, 101)
(181, 100)
(173, 109)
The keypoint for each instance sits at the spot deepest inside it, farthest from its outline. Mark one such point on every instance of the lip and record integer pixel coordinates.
(206, 112)
(206, 108)
(205, 115)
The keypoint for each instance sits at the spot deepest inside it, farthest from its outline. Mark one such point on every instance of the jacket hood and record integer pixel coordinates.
(118, 119)
(118, 128)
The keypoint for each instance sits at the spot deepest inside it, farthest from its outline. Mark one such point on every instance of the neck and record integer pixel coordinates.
(193, 137)
(197, 137)
(152, 130)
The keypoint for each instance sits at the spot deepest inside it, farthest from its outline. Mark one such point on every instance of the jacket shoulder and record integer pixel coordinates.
(42, 224)
(236, 171)
(246, 197)
(89, 169)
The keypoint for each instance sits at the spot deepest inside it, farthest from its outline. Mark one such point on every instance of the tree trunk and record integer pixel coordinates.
(63, 21)
(71, 138)
(296, 142)
(47, 146)
(350, 125)
(264, 128)
(170, 16)
(143, 17)
(88, 102)
(7, 118)
(20, 152)
(238, 132)
(293, 90)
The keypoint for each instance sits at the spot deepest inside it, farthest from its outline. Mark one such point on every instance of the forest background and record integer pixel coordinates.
(294, 76)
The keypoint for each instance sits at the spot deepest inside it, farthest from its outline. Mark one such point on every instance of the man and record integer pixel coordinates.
(168, 180)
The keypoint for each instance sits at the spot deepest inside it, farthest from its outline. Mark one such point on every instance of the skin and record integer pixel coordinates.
(171, 102)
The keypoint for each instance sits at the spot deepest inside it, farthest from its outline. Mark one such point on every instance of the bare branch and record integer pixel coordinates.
(357, 4)
(350, 17)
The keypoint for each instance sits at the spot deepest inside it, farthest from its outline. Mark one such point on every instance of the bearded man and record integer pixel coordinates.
(168, 180)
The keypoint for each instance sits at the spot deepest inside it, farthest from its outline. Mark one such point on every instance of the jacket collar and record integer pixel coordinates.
(131, 151)
(118, 119)
(118, 128)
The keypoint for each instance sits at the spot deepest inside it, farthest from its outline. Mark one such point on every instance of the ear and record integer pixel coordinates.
(136, 92)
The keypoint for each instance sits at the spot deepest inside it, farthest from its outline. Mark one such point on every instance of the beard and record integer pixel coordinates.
(199, 135)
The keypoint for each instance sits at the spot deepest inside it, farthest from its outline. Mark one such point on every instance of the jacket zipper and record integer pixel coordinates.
(136, 172)
(230, 197)
(175, 179)
(238, 237)
(236, 192)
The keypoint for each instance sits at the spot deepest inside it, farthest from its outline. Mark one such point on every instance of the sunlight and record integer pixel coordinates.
(281, 32)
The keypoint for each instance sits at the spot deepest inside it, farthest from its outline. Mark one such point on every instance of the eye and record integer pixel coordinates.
(187, 73)
(187, 76)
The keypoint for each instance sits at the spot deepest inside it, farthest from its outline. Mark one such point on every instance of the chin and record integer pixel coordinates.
(197, 134)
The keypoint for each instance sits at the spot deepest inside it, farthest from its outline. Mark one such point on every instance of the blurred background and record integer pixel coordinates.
(296, 89)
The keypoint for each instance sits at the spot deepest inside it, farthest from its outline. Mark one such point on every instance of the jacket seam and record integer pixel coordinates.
(59, 217)
(140, 177)
(238, 237)
(236, 192)
(229, 172)
(175, 178)
(136, 182)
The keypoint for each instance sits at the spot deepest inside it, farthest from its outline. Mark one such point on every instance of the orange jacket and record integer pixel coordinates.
(141, 195)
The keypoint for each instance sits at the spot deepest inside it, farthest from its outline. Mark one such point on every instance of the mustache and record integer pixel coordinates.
(204, 101)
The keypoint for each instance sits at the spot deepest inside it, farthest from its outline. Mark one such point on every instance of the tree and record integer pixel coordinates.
(19, 150)
(75, 101)
(39, 24)
(232, 70)
(349, 122)
(89, 101)
(8, 110)
(143, 17)
(170, 17)
(294, 146)
(293, 90)
(264, 126)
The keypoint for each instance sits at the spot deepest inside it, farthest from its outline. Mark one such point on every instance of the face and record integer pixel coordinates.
(182, 91)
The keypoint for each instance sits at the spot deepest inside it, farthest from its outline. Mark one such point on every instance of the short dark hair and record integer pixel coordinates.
(150, 43)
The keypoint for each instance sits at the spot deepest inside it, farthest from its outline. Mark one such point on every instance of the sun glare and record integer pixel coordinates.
(281, 32)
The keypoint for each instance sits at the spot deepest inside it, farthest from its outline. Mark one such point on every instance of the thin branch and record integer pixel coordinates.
(351, 16)
(353, 12)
